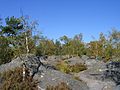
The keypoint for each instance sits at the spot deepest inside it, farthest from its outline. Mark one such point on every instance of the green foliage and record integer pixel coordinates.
(58, 48)
(115, 41)
(45, 47)
(6, 53)
(38, 51)
(60, 86)
(105, 48)
(13, 80)
(63, 67)
(16, 38)
(13, 26)
(65, 39)
(93, 48)
(108, 52)
(73, 46)
(66, 68)
(8, 36)
(116, 60)
(77, 68)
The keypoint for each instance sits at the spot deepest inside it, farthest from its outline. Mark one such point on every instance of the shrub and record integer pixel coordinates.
(66, 68)
(13, 80)
(77, 67)
(62, 66)
(116, 60)
(6, 55)
(60, 86)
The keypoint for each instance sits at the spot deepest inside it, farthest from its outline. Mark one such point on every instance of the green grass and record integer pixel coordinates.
(66, 68)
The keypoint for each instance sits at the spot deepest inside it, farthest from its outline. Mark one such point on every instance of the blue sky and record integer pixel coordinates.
(67, 17)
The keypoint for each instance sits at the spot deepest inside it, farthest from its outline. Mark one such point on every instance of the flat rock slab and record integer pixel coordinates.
(75, 60)
(9, 66)
(53, 77)
(94, 82)
(97, 84)
(46, 75)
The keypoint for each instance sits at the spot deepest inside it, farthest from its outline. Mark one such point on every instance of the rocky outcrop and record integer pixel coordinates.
(93, 76)
(94, 81)
(44, 73)
(53, 78)
(75, 60)
(113, 71)
(9, 66)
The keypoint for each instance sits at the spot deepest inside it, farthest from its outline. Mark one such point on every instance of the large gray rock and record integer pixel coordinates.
(84, 57)
(93, 63)
(94, 81)
(75, 60)
(53, 78)
(31, 62)
(93, 76)
(117, 87)
(113, 71)
(44, 73)
(9, 66)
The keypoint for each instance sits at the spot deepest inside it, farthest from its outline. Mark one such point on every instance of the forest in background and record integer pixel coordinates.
(19, 36)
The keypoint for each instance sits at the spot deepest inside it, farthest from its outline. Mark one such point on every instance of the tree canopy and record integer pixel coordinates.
(16, 37)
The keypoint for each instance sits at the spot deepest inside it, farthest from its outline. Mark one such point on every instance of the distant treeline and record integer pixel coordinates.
(16, 38)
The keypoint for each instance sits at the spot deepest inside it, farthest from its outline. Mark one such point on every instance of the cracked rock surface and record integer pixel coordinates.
(46, 74)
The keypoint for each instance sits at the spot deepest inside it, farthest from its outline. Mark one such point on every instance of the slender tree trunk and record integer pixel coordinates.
(24, 72)
(26, 40)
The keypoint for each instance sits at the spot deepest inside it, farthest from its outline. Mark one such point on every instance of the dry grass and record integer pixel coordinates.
(77, 78)
(13, 80)
(66, 68)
